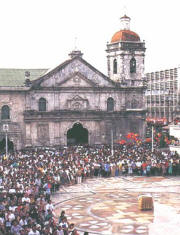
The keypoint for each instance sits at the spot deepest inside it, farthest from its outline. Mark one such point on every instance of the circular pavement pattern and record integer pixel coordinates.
(110, 205)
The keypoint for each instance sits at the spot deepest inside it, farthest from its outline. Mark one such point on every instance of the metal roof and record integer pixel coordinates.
(16, 77)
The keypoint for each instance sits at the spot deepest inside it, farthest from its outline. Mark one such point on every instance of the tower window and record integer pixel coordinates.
(110, 104)
(5, 112)
(133, 65)
(42, 104)
(115, 66)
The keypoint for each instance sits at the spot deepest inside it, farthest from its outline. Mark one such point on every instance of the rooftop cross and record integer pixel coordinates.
(75, 44)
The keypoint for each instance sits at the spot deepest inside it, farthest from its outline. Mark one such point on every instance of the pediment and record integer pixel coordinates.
(77, 98)
(74, 72)
(76, 80)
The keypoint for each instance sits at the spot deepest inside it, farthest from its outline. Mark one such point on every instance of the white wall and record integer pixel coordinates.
(175, 131)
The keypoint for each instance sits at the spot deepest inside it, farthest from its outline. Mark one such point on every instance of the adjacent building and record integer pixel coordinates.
(162, 94)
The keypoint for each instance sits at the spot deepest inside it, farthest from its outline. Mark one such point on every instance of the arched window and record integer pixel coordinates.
(42, 104)
(115, 66)
(133, 65)
(5, 112)
(110, 104)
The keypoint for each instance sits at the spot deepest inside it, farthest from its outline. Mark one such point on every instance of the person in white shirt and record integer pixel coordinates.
(10, 216)
(23, 221)
(34, 231)
(49, 206)
(60, 230)
(26, 198)
(64, 224)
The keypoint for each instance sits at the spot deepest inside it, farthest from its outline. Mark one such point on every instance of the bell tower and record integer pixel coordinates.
(125, 55)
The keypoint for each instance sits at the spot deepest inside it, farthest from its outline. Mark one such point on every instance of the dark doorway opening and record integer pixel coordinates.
(3, 146)
(77, 135)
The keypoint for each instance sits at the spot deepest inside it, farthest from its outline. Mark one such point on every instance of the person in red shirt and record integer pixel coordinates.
(144, 165)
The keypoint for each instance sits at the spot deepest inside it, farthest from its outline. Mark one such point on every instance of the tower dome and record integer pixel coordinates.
(125, 34)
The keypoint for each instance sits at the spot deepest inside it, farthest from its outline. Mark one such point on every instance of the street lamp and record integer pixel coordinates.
(112, 145)
(5, 129)
(103, 138)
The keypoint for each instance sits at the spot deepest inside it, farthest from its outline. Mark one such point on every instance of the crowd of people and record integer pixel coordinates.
(28, 179)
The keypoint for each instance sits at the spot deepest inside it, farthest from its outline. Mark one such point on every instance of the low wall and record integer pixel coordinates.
(175, 148)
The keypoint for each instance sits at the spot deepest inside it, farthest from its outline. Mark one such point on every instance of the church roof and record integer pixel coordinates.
(16, 77)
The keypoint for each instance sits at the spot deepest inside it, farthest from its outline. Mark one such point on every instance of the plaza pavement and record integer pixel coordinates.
(110, 205)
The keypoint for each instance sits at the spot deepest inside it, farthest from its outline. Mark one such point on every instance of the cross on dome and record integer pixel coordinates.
(125, 34)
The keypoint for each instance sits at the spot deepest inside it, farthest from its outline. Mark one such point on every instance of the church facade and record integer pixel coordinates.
(75, 103)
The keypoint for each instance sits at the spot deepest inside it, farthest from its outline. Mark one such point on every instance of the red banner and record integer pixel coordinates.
(157, 120)
(148, 140)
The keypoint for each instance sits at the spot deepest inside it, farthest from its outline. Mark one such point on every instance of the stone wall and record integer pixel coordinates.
(16, 103)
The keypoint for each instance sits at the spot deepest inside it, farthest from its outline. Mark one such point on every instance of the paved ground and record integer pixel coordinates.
(110, 205)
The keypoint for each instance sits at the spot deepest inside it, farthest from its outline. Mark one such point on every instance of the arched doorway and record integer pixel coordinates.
(77, 135)
(3, 146)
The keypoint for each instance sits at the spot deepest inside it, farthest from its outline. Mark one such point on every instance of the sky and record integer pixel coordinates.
(41, 33)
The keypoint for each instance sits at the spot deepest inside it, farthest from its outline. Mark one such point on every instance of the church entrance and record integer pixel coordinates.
(77, 135)
(3, 146)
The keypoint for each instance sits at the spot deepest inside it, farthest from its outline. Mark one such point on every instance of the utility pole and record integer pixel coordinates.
(152, 138)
